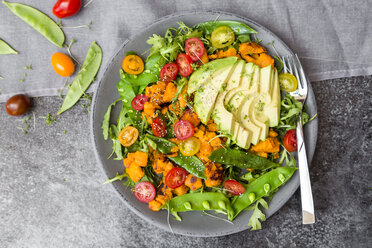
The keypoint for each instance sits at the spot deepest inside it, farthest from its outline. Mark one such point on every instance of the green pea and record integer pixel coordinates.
(281, 177)
(267, 187)
(251, 197)
(39, 21)
(84, 78)
(187, 205)
(206, 205)
(222, 204)
(5, 48)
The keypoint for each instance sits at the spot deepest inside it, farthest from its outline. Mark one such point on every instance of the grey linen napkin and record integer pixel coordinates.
(332, 38)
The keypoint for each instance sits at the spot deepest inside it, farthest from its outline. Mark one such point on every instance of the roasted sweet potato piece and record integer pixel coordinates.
(264, 60)
(181, 190)
(189, 115)
(193, 182)
(135, 172)
(182, 98)
(170, 92)
(141, 158)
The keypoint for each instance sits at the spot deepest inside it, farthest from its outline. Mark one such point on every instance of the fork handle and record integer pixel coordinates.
(308, 216)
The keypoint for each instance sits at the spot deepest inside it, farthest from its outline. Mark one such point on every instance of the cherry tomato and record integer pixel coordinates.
(290, 141)
(190, 146)
(288, 82)
(17, 105)
(168, 72)
(234, 187)
(144, 191)
(194, 47)
(184, 64)
(159, 128)
(66, 8)
(128, 136)
(62, 64)
(138, 102)
(183, 129)
(222, 36)
(175, 177)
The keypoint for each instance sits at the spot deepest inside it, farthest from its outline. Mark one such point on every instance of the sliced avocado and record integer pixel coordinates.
(244, 116)
(205, 96)
(265, 81)
(221, 116)
(244, 137)
(258, 115)
(272, 109)
(201, 75)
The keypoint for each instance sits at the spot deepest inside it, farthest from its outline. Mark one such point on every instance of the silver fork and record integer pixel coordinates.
(293, 65)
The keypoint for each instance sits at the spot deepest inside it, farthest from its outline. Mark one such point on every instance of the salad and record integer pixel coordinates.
(206, 122)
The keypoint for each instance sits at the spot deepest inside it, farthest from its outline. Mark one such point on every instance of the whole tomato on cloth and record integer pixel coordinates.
(66, 8)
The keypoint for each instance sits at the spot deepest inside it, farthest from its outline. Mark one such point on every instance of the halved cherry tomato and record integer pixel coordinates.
(190, 146)
(184, 64)
(234, 187)
(168, 72)
(66, 8)
(62, 64)
(138, 102)
(133, 64)
(288, 82)
(128, 136)
(222, 36)
(183, 129)
(290, 141)
(144, 191)
(194, 47)
(159, 128)
(175, 177)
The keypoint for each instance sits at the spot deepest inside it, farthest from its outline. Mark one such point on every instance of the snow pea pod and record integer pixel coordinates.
(262, 186)
(244, 160)
(39, 21)
(191, 164)
(163, 145)
(200, 202)
(238, 27)
(84, 78)
(5, 48)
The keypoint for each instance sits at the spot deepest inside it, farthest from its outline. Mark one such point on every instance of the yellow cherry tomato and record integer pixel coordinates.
(190, 146)
(62, 64)
(288, 82)
(133, 64)
(128, 136)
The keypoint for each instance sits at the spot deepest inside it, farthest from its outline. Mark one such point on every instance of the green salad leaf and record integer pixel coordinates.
(257, 216)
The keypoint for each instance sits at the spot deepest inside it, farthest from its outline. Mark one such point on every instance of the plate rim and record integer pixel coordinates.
(92, 125)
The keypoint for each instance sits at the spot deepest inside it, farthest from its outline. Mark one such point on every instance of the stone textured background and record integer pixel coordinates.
(51, 192)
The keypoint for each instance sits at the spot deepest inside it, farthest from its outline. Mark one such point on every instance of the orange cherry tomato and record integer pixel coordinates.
(62, 64)
(133, 64)
(128, 136)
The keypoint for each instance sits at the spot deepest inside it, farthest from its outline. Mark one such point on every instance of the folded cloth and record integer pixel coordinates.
(332, 38)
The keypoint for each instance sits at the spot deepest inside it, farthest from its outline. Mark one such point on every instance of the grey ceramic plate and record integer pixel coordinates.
(193, 223)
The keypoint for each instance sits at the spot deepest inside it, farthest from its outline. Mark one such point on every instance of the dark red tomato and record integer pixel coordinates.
(66, 8)
(184, 64)
(17, 105)
(183, 129)
(175, 177)
(290, 141)
(145, 192)
(159, 128)
(194, 47)
(234, 187)
(168, 72)
(138, 102)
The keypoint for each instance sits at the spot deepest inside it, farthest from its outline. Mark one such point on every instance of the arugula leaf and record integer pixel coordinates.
(117, 177)
(106, 120)
(257, 215)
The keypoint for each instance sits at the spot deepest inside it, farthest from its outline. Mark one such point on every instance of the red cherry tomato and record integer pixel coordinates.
(183, 129)
(17, 105)
(145, 192)
(175, 177)
(159, 128)
(234, 187)
(290, 141)
(184, 64)
(138, 102)
(168, 72)
(194, 47)
(66, 8)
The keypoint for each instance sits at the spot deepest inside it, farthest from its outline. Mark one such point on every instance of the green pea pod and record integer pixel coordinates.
(39, 21)
(199, 202)
(238, 27)
(191, 164)
(162, 145)
(262, 186)
(244, 160)
(84, 78)
(5, 48)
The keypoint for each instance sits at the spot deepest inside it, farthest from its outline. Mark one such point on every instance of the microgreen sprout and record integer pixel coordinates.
(74, 27)
(69, 51)
(49, 119)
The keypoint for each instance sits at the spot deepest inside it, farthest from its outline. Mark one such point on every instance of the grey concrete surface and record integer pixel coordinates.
(51, 192)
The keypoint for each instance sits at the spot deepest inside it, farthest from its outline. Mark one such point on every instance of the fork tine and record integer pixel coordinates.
(284, 64)
(296, 73)
(303, 77)
(290, 64)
